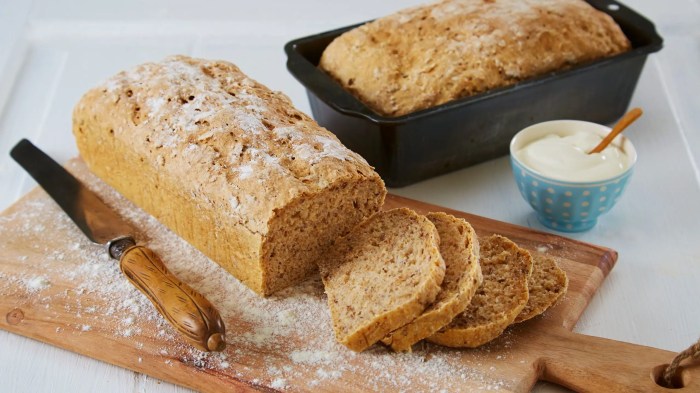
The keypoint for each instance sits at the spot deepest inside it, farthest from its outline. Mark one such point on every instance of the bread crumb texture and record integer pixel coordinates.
(459, 247)
(547, 284)
(381, 276)
(502, 296)
(428, 55)
(228, 164)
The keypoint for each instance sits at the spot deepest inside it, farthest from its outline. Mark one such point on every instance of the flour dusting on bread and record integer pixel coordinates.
(228, 164)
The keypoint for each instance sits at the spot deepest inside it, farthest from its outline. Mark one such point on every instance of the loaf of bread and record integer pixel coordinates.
(381, 276)
(547, 284)
(501, 297)
(459, 248)
(226, 163)
(429, 55)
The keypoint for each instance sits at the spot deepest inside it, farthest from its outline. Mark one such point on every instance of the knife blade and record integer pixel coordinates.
(187, 310)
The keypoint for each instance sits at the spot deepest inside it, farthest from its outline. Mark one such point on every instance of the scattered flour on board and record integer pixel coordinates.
(544, 248)
(279, 383)
(36, 284)
(281, 342)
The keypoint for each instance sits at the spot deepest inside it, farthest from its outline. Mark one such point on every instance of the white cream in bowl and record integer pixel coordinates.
(565, 157)
(559, 150)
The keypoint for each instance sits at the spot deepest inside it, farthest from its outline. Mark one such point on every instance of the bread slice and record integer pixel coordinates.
(501, 297)
(381, 276)
(547, 284)
(459, 248)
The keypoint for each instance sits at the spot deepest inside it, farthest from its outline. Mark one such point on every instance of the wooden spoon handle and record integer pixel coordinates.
(186, 309)
(626, 120)
(592, 364)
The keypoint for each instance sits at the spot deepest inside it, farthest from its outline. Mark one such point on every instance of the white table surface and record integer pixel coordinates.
(51, 51)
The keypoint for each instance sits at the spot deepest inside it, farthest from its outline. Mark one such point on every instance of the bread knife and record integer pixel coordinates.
(188, 311)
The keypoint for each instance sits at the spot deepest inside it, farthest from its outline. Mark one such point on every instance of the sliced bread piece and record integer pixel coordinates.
(381, 276)
(501, 297)
(459, 248)
(546, 285)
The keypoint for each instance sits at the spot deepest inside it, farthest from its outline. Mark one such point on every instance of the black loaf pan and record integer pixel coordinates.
(454, 135)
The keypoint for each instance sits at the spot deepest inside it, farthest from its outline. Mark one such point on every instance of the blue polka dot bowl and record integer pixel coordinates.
(568, 206)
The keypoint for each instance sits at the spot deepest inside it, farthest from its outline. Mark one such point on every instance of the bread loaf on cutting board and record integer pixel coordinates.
(228, 164)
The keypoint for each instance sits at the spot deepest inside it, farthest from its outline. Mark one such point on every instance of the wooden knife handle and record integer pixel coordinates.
(592, 364)
(186, 309)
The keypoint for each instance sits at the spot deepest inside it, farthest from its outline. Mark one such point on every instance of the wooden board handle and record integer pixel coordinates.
(592, 364)
(186, 309)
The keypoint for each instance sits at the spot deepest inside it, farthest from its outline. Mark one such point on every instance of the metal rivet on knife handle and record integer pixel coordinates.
(187, 310)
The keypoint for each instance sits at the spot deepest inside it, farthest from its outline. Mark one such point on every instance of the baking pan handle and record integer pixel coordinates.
(323, 86)
(633, 23)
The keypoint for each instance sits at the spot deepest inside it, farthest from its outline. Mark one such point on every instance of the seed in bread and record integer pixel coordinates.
(381, 276)
(547, 284)
(499, 300)
(459, 247)
(428, 55)
(228, 164)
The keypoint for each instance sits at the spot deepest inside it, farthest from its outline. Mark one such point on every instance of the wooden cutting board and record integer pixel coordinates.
(58, 288)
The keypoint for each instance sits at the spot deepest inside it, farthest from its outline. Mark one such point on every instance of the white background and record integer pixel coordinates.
(51, 51)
